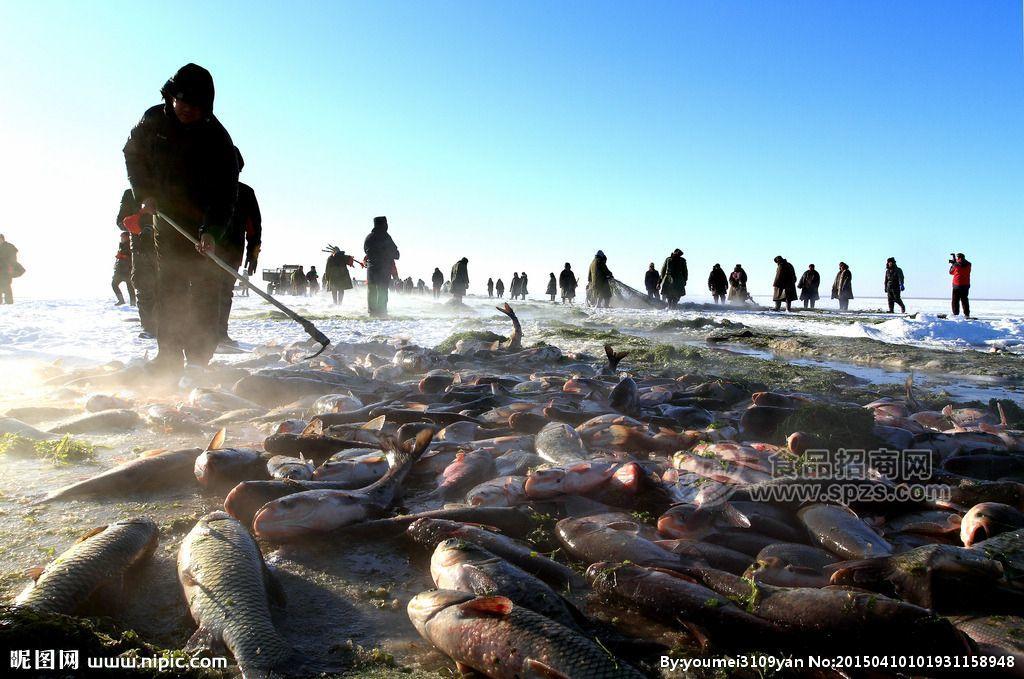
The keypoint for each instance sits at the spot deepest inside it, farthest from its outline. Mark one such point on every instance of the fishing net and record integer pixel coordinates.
(625, 296)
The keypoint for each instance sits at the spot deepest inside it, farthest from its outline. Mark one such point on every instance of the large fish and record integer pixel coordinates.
(95, 565)
(431, 532)
(558, 443)
(228, 589)
(504, 641)
(841, 532)
(591, 541)
(97, 423)
(671, 597)
(318, 511)
(10, 425)
(468, 567)
(940, 577)
(158, 469)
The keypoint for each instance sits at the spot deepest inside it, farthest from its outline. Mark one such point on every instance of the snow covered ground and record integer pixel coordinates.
(87, 330)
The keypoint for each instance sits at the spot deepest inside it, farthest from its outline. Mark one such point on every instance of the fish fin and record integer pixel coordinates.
(698, 634)
(91, 532)
(153, 453)
(535, 669)
(204, 640)
(188, 577)
(423, 440)
(376, 424)
(734, 516)
(34, 572)
(1002, 414)
(492, 605)
(625, 526)
(218, 439)
(465, 670)
(314, 428)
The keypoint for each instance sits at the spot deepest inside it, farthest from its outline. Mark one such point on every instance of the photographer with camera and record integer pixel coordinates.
(960, 269)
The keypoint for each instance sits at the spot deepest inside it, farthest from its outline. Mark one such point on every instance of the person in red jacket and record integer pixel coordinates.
(960, 269)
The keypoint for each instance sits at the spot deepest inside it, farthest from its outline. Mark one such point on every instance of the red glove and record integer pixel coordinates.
(132, 225)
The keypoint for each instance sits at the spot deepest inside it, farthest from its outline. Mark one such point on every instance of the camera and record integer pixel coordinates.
(952, 258)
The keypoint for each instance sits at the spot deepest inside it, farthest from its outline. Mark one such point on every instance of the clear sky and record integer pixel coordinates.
(527, 134)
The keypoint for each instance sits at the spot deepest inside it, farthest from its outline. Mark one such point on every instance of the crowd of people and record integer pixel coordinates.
(185, 202)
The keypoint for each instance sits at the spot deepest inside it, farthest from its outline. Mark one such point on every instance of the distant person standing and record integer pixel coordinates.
(499, 288)
(421, 287)
(960, 269)
(552, 288)
(523, 291)
(809, 284)
(893, 285)
(842, 287)
(568, 282)
(313, 281)
(299, 282)
(490, 287)
(336, 276)
(599, 281)
(460, 279)
(718, 284)
(652, 279)
(516, 286)
(738, 286)
(381, 255)
(437, 280)
(784, 285)
(674, 275)
(182, 162)
(144, 273)
(123, 270)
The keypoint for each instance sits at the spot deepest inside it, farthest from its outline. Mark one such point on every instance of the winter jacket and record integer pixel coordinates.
(437, 280)
(460, 277)
(599, 277)
(652, 279)
(842, 287)
(567, 282)
(674, 276)
(961, 273)
(552, 288)
(893, 282)
(784, 285)
(717, 281)
(246, 222)
(336, 275)
(809, 284)
(381, 253)
(191, 171)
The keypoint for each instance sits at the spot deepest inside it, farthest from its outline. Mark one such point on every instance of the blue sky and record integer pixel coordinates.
(524, 135)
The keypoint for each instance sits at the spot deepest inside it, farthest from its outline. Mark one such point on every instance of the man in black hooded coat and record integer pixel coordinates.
(181, 161)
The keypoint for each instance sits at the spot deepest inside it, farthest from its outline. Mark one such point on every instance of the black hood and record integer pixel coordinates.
(192, 84)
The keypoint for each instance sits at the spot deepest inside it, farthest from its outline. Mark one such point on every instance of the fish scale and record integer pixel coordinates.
(224, 577)
(69, 580)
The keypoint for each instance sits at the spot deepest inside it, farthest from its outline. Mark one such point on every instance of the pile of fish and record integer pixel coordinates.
(567, 508)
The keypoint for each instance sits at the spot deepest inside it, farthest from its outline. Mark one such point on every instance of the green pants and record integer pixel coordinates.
(377, 299)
